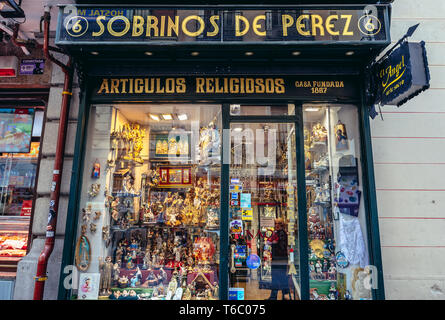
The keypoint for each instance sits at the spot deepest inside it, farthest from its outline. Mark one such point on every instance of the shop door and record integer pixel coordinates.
(263, 241)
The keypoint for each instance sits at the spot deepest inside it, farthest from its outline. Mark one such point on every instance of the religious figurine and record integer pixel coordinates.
(95, 174)
(119, 252)
(187, 295)
(94, 190)
(318, 269)
(85, 215)
(105, 269)
(162, 275)
(151, 279)
(332, 292)
(132, 295)
(359, 291)
(319, 133)
(147, 259)
(215, 290)
(116, 271)
(173, 284)
(123, 281)
(97, 215)
(129, 260)
(332, 272)
(106, 235)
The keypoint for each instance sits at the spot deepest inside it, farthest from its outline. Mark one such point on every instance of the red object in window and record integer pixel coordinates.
(26, 208)
(7, 73)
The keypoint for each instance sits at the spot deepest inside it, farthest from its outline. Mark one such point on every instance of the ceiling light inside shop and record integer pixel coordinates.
(195, 53)
(350, 53)
(148, 53)
(94, 53)
(249, 53)
(296, 53)
(238, 129)
(312, 109)
(182, 117)
(167, 116)
(154, 117)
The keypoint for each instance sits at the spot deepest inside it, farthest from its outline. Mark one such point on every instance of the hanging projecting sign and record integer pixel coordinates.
(326, 24)
(403, 74)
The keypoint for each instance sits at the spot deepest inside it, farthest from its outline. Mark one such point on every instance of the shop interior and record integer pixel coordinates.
(149, 225)
(20, 132)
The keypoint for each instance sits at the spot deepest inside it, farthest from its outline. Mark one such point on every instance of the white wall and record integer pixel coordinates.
(409, 162)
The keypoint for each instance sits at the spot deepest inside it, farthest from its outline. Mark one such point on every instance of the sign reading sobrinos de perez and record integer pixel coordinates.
(159, 25)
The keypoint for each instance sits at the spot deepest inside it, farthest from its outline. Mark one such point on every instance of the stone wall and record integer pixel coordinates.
(410, 168)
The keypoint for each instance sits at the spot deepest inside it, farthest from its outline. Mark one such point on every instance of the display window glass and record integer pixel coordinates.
(149, 209)
(20, 131)
(338, 248)
(264, 239)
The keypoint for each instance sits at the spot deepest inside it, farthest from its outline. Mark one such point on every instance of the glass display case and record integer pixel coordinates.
(338, 252)
(156, 201)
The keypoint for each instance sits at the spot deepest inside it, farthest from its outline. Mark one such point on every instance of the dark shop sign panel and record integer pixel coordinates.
(403, 74)
(220, 87)
(100, 25)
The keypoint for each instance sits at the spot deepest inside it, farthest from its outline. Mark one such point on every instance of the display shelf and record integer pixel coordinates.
(125, 195)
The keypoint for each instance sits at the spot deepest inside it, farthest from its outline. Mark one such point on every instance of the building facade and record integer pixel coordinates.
(104, 148)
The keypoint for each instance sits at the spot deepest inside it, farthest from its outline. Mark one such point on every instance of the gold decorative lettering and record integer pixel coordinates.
(101, 26)
(180, 85)
(301, 25)
(138, 26)
(124, 85)
(287, 21)
(104, 86)
(317, 23)
(330, 26)
(279, 85)
(152, 23)
(256, 26)
(121, 33)
(138, 85)
(196, 33)
(114, 86)
(200, 85)
(173, 26)
(215, 26)
(346, 31)
(239, 18)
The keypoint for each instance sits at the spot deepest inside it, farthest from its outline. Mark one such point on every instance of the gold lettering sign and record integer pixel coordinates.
(226, 86)
(202, 85)
(92, 24)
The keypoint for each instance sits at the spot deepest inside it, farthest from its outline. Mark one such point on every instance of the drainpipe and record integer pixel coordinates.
(67, 69)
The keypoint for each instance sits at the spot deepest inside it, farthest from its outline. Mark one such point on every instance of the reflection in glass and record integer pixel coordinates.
(338, 257)
(150, 215)
(263, 219)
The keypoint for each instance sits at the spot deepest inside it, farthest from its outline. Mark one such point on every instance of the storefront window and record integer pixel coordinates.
(338, 248)
(149, 220)
(264, 242)
(256, 110)
(20, 131)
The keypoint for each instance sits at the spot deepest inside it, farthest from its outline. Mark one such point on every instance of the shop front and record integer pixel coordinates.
(22, 113)
(223, 153)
